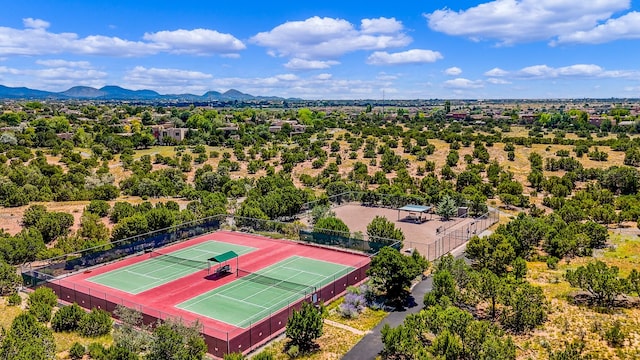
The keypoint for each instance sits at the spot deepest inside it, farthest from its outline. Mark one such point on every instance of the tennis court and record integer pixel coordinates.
(256, 295)
(163, 268)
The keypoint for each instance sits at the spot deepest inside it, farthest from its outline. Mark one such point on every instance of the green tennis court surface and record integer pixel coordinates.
(159, 269)
(254, 296)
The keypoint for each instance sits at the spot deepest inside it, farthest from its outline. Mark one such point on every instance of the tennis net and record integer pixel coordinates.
(276, 283)
(172, 259)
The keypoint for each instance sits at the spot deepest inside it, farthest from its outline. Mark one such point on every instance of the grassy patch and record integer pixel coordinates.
(334, 343)
(568, 322)
(7, 313)
(365, 322)
(63, 340)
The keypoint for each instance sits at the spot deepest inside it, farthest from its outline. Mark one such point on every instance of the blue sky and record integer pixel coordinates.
(328, 49)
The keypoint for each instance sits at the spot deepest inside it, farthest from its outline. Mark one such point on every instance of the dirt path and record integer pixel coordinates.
(345, 327)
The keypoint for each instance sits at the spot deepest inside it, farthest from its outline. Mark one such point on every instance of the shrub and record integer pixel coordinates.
(96, 323)
(293, 351)
(552, 262)
(263, 356)
(77, 351)
(99, 207)
(14, 299)
(43, 295)
(354, 303)
(615, 336)
(67, 318)
(41, 311)
(96, 351)
(429, 299)
(234, 356)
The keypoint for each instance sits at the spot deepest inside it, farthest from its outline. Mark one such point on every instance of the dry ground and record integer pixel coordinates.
(569, 322)
(357, 217)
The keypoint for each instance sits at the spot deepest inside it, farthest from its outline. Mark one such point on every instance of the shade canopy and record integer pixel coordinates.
(224, 257)
(415, 208)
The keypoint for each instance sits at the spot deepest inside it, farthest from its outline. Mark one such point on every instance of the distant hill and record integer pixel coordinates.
(26, 93)
(112, 92)
(83, 92)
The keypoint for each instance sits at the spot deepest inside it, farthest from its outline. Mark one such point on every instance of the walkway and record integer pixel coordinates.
(371, 345)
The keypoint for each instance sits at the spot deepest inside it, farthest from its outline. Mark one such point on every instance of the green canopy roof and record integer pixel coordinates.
(224, 257)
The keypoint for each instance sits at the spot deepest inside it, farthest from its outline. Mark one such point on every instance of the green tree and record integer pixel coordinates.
(67, 318)
(489, 287)
(93, 230)
(524, 307)
(381, 228)
(53, 225)
(27, 339)
(9, 279)
(391, 274)
(493, 252)
(446, 208)
(174, 341)
(98, 207)
(120, 211)
(96, 323)
(132, 334)
(600, 280)
(43, 295)
(444, 286)
(331, 226)
(304, 327)
(33, 214)
(131, 226)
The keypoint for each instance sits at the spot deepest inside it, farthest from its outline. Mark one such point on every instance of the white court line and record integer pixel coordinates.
(143, 275)
(232, 286)
(213, 294)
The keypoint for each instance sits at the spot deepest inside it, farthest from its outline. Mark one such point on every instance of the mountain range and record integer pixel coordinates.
(111, 92)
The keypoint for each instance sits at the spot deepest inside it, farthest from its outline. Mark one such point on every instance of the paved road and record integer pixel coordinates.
(371, 344)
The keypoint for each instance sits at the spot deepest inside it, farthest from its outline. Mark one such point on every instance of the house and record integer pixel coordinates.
(296, 128)
(595, 120)
(458, 115)
(65, 136)
(160, 132)
(528, 117)
(229, 130)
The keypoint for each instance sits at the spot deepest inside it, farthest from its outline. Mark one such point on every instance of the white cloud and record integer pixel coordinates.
(302, 64)
(324, 76)
(462, 83)
(386, 77)
(624, 27)
(166, 80)
(54, 78)
(542, 71)
(414, 56)
(513, 21)
(496, 72)
(64, 63)
(380, 26)
(453, 71)
(35, 23)
(197, 41)
(36, 40)
(329, 38)
(323, 86)
(496, 81)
